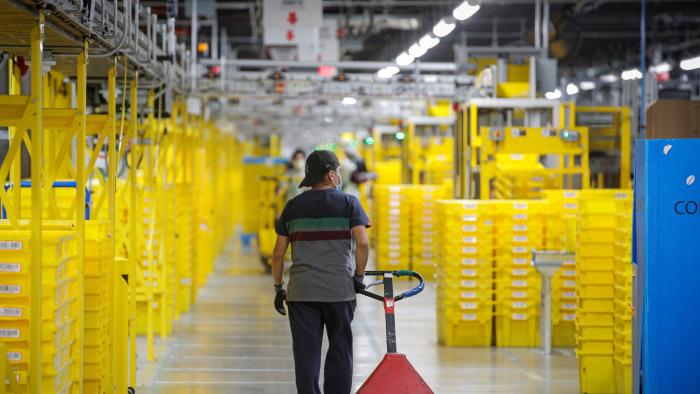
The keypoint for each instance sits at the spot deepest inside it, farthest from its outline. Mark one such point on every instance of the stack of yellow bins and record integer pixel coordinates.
(98, 309)
(519, 230)
(423, 227)
(392, 219)
(560, 234)
(184, 252)
(595, 268)
(623, 300)
(60, 284)
(465, 272)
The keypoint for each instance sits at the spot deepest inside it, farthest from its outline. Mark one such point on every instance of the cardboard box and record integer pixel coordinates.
(673, 119)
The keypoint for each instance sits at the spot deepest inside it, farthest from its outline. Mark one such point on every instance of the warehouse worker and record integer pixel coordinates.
(294, 175)
(327, 230)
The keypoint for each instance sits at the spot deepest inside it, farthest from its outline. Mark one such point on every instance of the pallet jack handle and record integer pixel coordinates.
(388, 299)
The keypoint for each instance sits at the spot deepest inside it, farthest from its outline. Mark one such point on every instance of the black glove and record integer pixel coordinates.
(280, 296)
(358, 281)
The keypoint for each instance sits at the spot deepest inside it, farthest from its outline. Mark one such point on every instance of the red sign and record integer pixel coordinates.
(290, 35)
(292, 18)
(327, 71)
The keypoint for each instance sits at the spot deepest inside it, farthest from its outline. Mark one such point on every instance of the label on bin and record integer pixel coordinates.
(394, 204)
(519, 205)
(569, 317)
(519, 316)
(394, 255)
(468, 294)
(519, 261)
(394, 233)
(469, 240)
(520, 238)
(469, 272)
(469, 316)
(9, 267)
(519, 249)
(395, 212)
(570, 194)
(395, 226)
(570, 205)
(9, 332)
(621, 195)
(468, 261)
(519, 283)
(14, 356)
(519, 294)
(570, 283)
(470, 228)
(428, 225)
(569, 262)
(468, 249)
(11, 312)
(10, 245)
(569, 294)
(520, 216)
(519, 304)
(468, 305)
(569, 273)
(488, 222)
(428, 239)
(394, 247)
(519, 271)
(468, 283)
(568, 306)
(469, 218)
(470, 205)
(520, 227)
(10, 289)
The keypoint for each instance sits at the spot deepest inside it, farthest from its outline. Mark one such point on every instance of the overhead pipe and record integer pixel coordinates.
(125, 32)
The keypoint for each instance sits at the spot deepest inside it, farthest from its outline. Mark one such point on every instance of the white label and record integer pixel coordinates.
(427, 213)
(520, 261)
(569, 317)
(488, 222)
(570, 283)
(9, 267)
(11, 312)
(428, 225)
(519, 294)
(568, 306)
(470, 205)
(427, 255)
(469, 317)
(570, 205)
(468, 283)
(394, 255)
(520, 304)
(10, 245)
(9, 332)
(10, 289)
(519, 283)
(469, 305)
(469, 240)
(394, 188)
(469, 218)
(469, 249)
(186, 281)
(569, 294)
(621, 195)
(468, 261)
(394, 233)
(519, 316)
(468, 294)
(520, 216)
(519, 205)
(393, 240)
(14, 356)
(517, 156)
(394, 247)
(569, 262)
(470, 228)
(570, 194)
(569, 273)
(427, 239)
(519, 249)
(394, 204)
(468, 272)
(519, 272)
(520, 227)
(395, 212)
(520, 238)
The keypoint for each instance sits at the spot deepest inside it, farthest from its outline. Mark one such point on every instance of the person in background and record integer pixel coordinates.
(354, 168)
(327, 231)
(294, 175)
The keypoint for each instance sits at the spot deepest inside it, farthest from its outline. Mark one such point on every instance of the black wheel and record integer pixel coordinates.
(131, 390)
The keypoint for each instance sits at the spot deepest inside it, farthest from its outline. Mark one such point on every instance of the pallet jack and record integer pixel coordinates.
(394, 374)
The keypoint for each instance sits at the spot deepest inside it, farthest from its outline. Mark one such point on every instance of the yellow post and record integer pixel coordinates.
(16, 169)
(81, 93)
(625, 143)
(148, 187)
(35, 107)
(134, 214)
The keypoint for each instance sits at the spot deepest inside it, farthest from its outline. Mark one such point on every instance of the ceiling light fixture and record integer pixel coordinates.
(690, 64)
(404, 59)
(443, 28)
(428, 41)
(609, 78)
(631, 74)
(465, 11)
(417, 51)
(387, 72)
(553, 95)
(661, 68)
(572, 89)
(587, 85)
(349, 101)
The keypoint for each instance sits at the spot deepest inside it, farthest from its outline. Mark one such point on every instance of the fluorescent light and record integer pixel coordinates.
(404, 59)
(609, 78)
(587, 85)
(442, 28)
(571, 89)
(661, 68)
(464, 11)
(690, 64)
(428, 41)
(416, 51)
(387, 72)
(554, 95)
(631, 74)
(349, 101)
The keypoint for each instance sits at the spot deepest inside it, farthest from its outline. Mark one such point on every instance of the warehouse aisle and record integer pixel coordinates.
(233, 342)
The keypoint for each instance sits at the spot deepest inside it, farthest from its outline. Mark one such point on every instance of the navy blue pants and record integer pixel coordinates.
(307, 320)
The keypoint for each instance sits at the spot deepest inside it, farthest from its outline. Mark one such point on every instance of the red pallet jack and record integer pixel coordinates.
(394, 374)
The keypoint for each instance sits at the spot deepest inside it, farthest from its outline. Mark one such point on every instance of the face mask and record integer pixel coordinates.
(339, 186)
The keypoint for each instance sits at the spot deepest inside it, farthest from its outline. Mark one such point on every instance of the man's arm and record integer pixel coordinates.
(281, 245)
(361, 249)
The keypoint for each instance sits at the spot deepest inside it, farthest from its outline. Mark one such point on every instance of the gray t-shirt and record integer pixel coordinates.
(319, 225)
